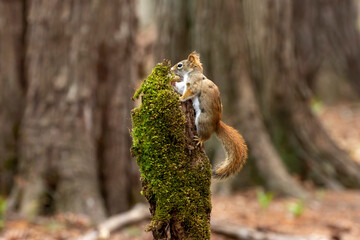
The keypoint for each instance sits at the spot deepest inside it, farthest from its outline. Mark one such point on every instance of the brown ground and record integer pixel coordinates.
(335, 214)
(329, 214)
(343, 123)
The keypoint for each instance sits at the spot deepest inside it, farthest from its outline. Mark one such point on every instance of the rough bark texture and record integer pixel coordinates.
(57, 145)
(327, 34)
(173, 39)
(342, 37)
(12, 87)
(116, 72)
(79, 74)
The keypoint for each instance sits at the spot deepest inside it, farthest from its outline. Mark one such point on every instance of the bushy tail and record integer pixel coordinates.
(235, 150)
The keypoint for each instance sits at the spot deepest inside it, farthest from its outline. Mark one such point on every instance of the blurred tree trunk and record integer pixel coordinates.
(173, 22)
(80, 67)
(116, 73)
(253, 46)
(12, 87)
(283, 78)
(327, 34)
(341, 36)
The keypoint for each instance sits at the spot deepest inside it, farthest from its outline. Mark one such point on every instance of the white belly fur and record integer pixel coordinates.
(196, 105)
(180, 87)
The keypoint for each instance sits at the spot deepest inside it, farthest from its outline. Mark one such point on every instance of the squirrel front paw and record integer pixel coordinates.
(176, 79)
(187, 94)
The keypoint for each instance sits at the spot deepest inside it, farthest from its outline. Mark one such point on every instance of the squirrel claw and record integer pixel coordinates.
(200, 142)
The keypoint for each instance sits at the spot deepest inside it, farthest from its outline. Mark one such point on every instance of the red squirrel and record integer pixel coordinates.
(192, 84)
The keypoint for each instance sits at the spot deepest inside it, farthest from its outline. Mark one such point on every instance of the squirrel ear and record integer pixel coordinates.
(194, 57)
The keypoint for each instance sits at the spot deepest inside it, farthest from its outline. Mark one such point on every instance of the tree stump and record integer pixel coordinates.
(175, 173)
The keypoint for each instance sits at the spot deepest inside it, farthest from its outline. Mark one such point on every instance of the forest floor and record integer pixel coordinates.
(335, 215)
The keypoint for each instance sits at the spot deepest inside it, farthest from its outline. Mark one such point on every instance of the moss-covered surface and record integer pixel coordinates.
(176, 179)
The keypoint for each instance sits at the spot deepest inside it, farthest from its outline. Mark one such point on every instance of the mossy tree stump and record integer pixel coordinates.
(175, 173)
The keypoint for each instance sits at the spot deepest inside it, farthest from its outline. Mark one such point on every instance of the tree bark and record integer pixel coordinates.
(116, 73)
(341, 37)
(12, 87)
(172, 39)
(287, 98)
(58, 164)
(79, 71)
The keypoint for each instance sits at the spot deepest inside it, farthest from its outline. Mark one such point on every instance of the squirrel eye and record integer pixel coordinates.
(180, 65)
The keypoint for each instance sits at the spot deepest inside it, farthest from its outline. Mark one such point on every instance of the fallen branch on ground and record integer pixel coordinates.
(138, 213)
(245, 233)
(141, 212)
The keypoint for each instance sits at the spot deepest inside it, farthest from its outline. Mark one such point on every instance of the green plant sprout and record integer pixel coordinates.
(317, 105)
(296, 208)
(2, 212)
(264, 198)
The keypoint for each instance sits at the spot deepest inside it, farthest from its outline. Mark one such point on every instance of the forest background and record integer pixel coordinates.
(68, 70)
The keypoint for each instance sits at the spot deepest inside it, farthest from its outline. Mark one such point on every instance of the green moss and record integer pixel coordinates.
(175, 180)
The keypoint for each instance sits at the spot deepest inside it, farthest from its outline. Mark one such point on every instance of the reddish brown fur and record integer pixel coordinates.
(194, 58)
(208, 112)
(235, 149)
(210, 103)
(187, 94)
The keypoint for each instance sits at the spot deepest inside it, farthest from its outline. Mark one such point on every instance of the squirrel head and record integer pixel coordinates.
(188, 65)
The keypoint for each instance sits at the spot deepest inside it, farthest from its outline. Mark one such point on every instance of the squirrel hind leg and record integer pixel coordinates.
(200, 142)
